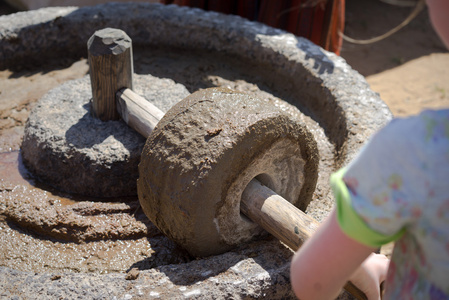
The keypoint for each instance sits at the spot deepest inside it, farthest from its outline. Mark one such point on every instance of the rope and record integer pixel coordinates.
(418, 8)
(402, 3)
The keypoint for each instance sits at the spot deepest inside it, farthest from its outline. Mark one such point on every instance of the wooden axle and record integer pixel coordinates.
(259, 203)
(282, 219)
(138, 113)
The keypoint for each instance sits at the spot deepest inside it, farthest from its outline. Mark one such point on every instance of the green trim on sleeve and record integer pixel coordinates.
(349, 220)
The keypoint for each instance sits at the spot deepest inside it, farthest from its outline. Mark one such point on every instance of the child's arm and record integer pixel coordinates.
(329, 259)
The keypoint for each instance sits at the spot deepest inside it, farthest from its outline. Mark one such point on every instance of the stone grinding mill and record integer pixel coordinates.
(199, 167)
(215, 132)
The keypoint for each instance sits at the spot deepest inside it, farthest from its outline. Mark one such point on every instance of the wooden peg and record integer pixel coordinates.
(111, 68)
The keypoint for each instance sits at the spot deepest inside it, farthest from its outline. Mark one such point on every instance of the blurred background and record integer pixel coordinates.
(410, 69)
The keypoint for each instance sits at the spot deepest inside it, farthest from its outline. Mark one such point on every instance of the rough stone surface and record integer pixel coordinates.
(336, 98)
(204, 152)
(66, 147)
(43, 213)
(333, 93)
(234, 275)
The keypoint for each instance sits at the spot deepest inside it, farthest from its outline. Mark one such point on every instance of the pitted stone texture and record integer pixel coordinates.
(259, 271)
(66, 147)
(202, 155)
(41, 212)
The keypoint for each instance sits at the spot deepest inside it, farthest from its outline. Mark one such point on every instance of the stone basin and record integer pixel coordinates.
(56, 244)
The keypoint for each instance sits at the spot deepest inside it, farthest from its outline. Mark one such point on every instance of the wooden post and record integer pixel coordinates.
(111, 68)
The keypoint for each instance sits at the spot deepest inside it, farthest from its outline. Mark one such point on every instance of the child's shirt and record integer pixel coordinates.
(397, 189)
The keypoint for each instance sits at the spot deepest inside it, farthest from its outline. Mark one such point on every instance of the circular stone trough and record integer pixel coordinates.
(196, 49)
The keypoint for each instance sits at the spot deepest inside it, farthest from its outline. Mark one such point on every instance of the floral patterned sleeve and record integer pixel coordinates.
(352, 223)
(399, 176)
(397, 189)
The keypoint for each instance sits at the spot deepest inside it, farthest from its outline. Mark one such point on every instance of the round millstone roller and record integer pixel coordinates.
(202, 155)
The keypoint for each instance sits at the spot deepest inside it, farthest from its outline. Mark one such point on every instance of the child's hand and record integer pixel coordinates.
(371, 273)
(329, 259)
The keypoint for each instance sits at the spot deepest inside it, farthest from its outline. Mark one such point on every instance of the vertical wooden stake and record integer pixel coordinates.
(111, 68)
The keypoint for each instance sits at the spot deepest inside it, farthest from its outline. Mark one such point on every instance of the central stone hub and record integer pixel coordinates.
(66, 147)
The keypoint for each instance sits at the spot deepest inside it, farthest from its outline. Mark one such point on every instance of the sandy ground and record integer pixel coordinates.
(410, 69)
